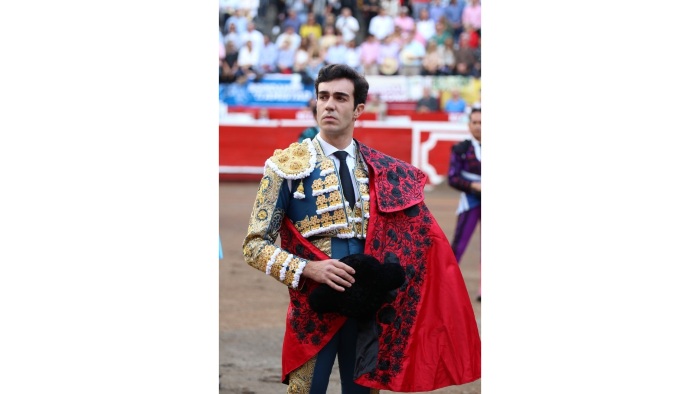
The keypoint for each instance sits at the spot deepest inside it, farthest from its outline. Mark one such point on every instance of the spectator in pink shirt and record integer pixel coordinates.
(369, 52)
(388, 56)
(405, 23)
(472, 15)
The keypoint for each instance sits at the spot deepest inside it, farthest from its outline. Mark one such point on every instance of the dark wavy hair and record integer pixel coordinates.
(332, 72)
(474, 110)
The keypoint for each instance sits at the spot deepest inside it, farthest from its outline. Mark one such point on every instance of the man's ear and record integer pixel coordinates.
(358, 110)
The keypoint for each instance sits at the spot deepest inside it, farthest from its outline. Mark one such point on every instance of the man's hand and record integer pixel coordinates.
(476, 187)
(332, 272)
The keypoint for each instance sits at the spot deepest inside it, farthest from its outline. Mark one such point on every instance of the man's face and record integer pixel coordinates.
(475, 125)
(335, 106)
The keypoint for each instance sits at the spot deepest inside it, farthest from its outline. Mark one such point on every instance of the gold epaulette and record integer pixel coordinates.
(295, 162)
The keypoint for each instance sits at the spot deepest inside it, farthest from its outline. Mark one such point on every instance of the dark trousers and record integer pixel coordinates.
(344, 343)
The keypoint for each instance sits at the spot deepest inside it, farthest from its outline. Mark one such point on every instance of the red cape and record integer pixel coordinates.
(427, 337)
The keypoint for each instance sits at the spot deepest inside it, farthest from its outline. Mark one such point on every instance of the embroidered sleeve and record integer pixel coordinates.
(458, 163)
(259, 248)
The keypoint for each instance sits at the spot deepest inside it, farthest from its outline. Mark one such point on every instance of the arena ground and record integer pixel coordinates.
(252, 307)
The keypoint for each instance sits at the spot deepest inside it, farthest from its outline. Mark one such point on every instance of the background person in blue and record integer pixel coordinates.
(455, 103)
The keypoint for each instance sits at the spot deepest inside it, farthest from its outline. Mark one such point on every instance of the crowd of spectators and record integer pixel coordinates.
(390, 37)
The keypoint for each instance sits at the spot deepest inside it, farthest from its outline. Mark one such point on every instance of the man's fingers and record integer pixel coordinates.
(344, 267)
(344, 275)
(335, 287)
(339, 279)
(337, 283)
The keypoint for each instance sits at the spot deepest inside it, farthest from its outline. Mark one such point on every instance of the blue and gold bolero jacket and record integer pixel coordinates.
(301, 183)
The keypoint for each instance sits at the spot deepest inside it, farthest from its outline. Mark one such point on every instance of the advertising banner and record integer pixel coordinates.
(403, 88)
(288, 90)
(390, 88)
(273, 90)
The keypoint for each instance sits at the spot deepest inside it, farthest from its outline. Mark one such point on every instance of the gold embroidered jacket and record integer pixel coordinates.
(315, 205)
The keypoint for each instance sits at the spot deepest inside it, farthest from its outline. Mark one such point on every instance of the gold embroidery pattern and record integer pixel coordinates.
(285, 267)
(361, 175)
(334, 199)
(327, 203)
(321, 204)
(326, 220)
(259, 263)
(277, 263)
(300, 378)
(295, 162)
(290, 264)
(317, 186)
(333, 215)
(326, 223)
(327, 166)
(269, 254)
(364, 191)
(330, 180)
(323, 244)
(259, 249)
(363, 179)
(296, 266)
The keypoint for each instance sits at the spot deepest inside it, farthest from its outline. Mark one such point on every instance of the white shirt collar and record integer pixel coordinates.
(329, 149)
(477, 148)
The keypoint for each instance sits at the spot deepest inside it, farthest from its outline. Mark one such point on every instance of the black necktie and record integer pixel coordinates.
(345, 178)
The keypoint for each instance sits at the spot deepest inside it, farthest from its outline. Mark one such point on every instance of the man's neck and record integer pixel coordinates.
(338, 141)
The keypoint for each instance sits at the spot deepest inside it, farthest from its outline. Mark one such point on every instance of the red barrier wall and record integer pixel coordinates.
(243, 149)
(252, 145)
(302, 113)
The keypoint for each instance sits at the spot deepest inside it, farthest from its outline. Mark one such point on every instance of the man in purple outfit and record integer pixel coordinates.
(464, 175)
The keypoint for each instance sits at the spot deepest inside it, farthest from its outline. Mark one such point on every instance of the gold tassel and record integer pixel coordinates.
(299, 194)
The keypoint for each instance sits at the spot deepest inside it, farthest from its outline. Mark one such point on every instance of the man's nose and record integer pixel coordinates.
(330, 104)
